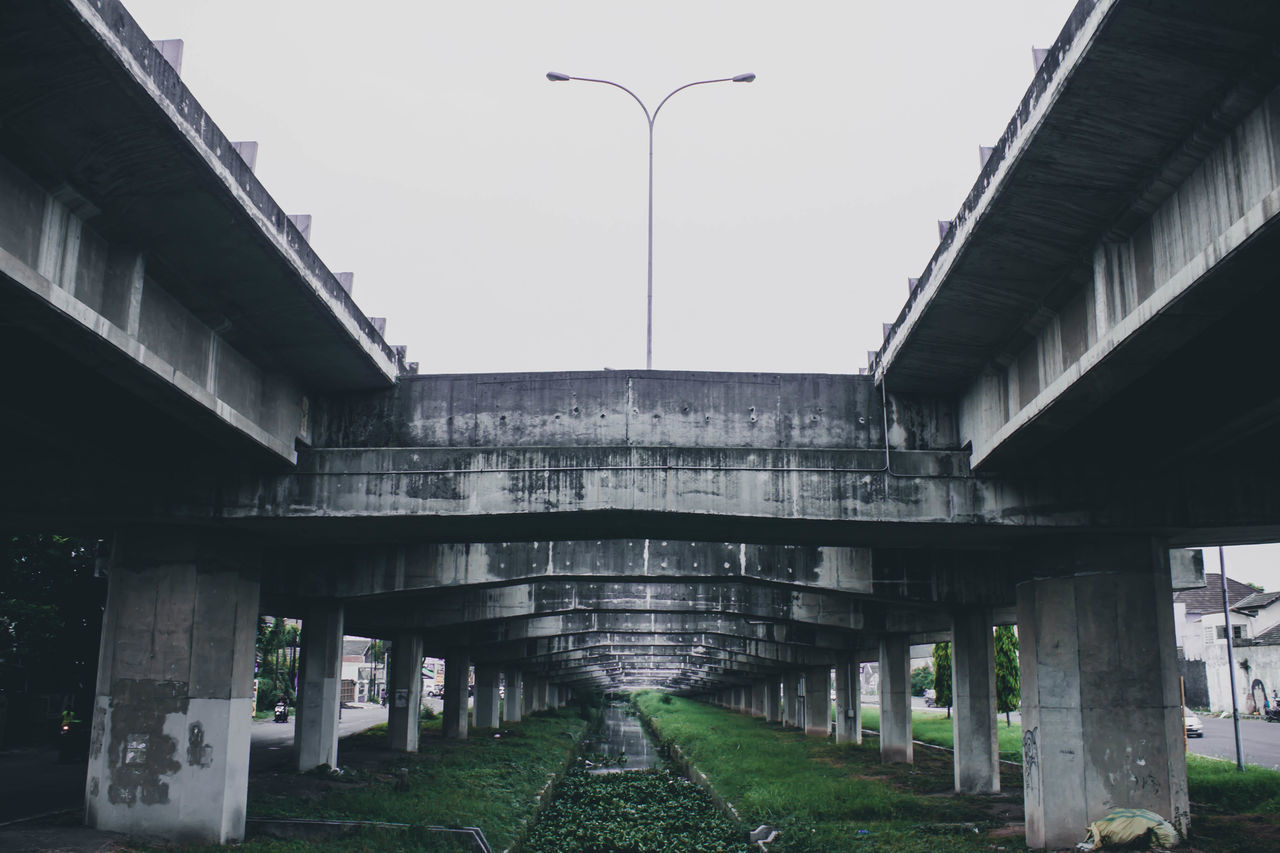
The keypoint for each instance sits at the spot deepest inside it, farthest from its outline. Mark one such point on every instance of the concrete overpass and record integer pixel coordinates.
(1059, 405)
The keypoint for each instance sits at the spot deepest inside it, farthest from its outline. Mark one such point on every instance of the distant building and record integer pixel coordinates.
(1201, 628)
(363, 678)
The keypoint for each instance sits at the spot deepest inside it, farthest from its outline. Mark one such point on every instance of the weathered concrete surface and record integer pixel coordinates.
(513, 705)
(1101, 706)
(848, 702)
(487, 700)
(817, 701)
(895, 700)
(973, 688)
(169, 753)
(404, 701)
(315, 727)
(457, 671)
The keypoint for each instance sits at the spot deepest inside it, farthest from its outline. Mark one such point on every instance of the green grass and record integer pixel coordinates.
(937, 729)
(825, 797)
(481, 781)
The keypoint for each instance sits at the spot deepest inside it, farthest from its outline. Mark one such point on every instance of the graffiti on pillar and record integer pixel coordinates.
(1031, 763)
(199, 753)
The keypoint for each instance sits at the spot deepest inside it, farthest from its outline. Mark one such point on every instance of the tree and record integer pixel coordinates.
(942, 675)
(921, 680)
(1008, 679)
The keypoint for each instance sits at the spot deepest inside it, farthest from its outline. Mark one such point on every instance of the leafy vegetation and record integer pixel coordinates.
(942, 676)
(1008, 679)
(640, 811)
(50, 621)
(921, 680)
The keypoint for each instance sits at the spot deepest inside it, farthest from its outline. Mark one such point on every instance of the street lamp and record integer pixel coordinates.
(557, 77)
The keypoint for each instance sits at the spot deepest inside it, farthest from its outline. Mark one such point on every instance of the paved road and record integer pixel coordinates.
(1259, 741)
(271, 743)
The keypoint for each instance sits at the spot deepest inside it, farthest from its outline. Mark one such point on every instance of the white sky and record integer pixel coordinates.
(498, 220)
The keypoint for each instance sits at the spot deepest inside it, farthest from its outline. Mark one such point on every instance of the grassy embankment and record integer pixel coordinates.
(481, 781)
(839, 797)
(827, 797)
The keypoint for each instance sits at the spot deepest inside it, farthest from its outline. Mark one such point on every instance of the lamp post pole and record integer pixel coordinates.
(650, 118)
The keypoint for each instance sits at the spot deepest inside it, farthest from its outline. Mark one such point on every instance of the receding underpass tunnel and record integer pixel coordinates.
(198, 396)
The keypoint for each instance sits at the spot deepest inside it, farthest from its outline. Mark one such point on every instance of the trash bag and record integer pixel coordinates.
(1132, 829)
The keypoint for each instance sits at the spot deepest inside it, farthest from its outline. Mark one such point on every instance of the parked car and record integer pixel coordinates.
(1194, 727)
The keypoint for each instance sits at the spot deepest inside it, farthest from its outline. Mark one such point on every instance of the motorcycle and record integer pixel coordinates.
(282, 712)
(73, 741)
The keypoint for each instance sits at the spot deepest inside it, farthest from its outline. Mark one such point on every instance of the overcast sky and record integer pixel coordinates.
(498, 220)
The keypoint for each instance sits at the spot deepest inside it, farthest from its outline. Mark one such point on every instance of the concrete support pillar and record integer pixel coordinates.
(773, 700)
(457, 672)
(758, 690)
(895, 699)
(791, 699)
(817, 701)
(513, 704)
(740, 699)
(1101, 708)
(405, 700)
(541, 692)
(315, 727)
(848, 703)
(488, 680)
(973, 690)
(169, 754)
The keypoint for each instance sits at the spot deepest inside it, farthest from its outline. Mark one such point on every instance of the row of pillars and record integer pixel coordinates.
(169, 747)
(803, 699)
(316, 729)
(1101, 705)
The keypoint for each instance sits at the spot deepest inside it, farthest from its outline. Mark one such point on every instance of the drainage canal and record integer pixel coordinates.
(622, 795)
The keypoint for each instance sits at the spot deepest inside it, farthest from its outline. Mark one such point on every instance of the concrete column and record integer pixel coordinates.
(758, 689)
(315, 727)
(817, 701)
(773, 700)
(540, 691)
(169, 754)
(457, 672)
(513, 705)
(895, 699)
(848, 703)
(791, 699)
(486, 704)
(1101, 708)
(404, 704)
(973, 690)
(530, 688)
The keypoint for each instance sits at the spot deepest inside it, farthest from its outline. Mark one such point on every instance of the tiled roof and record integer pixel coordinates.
(1208, 598)
(1257, 601)
(354, 646)
(1269, 637)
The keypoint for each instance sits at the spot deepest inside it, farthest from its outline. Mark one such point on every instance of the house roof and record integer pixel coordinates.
(1257, 601)
(354, 646)
(1269, 637)
(1208, 598)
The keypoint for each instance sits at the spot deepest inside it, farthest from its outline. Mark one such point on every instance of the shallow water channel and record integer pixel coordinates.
(596, 807)
(623, 735)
